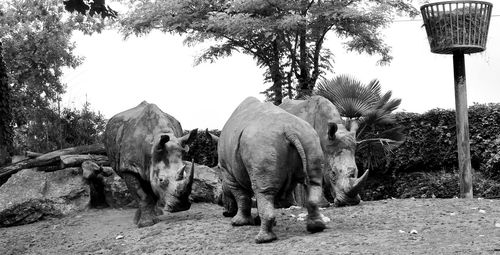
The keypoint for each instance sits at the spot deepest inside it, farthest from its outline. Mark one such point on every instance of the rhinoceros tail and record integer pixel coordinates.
(294, 139)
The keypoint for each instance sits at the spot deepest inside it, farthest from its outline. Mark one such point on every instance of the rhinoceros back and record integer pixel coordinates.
(130, 135)
(248, 112)
(317, 111)
(265, 126)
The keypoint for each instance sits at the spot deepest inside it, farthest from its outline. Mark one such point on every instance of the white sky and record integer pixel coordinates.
(117, 75)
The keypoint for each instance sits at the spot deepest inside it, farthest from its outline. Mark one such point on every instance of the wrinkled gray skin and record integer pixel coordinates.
(340, 185)
(265, 151)
(145, 147)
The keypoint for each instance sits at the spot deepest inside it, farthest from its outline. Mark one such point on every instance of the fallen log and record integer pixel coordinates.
(77, 160)
(97, 149)
(31, 154)
(50, 159)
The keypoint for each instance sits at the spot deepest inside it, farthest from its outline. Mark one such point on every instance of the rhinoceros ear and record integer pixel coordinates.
(189, 138)
(211, 137)
(163, 140)
(332, 129)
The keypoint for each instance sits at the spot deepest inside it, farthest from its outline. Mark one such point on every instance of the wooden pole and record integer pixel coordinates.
(462, 126)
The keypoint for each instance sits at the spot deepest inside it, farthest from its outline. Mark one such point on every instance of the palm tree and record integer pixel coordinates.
(366, 106)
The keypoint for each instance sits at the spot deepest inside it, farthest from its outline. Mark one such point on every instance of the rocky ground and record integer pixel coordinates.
(408, 226)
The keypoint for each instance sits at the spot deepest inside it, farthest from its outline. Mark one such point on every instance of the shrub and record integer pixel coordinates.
(203, 149)
(428, 184)
(431, 141)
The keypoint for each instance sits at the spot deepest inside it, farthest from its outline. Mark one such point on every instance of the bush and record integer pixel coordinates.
(428, 184)
(203, 149)
(431, 141)
(48, 130)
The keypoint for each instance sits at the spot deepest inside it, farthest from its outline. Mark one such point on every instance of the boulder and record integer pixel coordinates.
(116, 192)
(30, 195)
(107, 189)
(207, 185)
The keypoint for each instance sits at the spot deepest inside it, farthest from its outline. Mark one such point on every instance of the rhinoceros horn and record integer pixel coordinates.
(187, 182)
(357, 184)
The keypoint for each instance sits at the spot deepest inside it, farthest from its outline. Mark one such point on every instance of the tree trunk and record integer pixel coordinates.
(6, 132)
(276, 75)
(303, 89)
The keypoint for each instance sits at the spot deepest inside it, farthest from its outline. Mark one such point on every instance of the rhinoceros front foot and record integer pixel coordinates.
(265, 237)
(158, 211)
(242, 220)
(315, 225)
(145, 219)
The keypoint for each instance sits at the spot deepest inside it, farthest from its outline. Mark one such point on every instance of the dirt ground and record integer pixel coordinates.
(443, 226)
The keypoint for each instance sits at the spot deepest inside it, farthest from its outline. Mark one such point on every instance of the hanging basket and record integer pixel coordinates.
(457, 26)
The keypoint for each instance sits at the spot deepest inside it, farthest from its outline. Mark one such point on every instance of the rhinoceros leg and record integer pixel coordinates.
(287, 199)
(244, 202)
(314, 221)
(265, 205)
(229, 202)
(146, 213)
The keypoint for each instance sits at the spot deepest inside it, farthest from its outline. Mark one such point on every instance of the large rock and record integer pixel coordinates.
(116, 192)
(207, 185)
(108, 189)
(30, 195)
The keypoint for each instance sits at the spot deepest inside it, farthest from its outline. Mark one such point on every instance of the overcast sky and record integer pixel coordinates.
(117, 75)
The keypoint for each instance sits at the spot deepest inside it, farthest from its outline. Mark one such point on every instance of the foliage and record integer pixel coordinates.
(81, 127)
(5, 113)
(284, 36)
(36, 40)
(90, 7)
(378, 134)
(203, 150)
(51, 130)
(431, 141)
(36, 47)
(428, 185)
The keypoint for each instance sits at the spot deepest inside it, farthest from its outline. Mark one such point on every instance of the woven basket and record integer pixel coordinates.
(457, 26)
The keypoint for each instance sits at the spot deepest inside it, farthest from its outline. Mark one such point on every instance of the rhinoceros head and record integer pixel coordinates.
(169, 179)
(340, 151)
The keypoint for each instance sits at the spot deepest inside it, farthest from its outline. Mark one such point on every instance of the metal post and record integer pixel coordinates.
(462, 126)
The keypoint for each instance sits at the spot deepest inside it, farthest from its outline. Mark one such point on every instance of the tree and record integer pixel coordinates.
(90, 7)
(286, 37)
(5, 113)
(378, 133)
(36, 47)
(36, 40)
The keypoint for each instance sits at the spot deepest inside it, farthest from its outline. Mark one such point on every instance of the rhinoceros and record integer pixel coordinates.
(341, 183)
(145, 147)
(265, 151)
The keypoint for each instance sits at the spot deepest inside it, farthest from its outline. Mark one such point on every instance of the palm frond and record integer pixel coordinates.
(383, 99)
(348, 94)
(377, 117)
(375, 86)
(392, 105)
